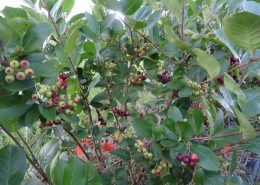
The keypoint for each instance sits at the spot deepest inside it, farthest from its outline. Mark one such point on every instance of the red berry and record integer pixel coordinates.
(193, 157)
(157, 171)
(192, 164)
(180, 157)
(40, 126)
(24, 64)
(49, 123)
(63, 76)
(186, 159)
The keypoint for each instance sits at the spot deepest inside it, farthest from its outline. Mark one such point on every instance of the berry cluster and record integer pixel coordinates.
(164, 77)
(18, 71)
(198, 89)
(144, 48)
(163, 165)
(188, 160)
(120, 112)
(48, 123)
(233, 61)
(101, 119)
(136, 79)
(141, 148)
(62, 81)
(126, 133)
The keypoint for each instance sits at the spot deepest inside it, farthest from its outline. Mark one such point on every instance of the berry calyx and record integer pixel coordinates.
(57, 120)
(14, 64)
(24, 64)
(48, 104)
(9, 78)
(9, 71)
(28, 72)
(20, 76)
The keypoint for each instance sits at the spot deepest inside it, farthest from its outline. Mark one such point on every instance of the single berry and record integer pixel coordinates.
(48, 94)
(9, 71)
(40, 126)
(70, 103)
(24, 64)
(14, 64)
(48, 104)
(63, 76)
(28, 72)
(62, 104)
(9, 78)
(20, 76)
(54, 88)
(58, 109)
(42, 91)
(180, 157)
(63, 97)
(186, 159)
(69, 112)
(55, 100)
(35, 97)
(49, 123)
(57, 120)
(77, 99)
(192, 164)
(193, 157)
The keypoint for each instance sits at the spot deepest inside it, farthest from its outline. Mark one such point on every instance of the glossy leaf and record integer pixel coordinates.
(207, 158)
(207, 62)
(12, 165)
(243, 29)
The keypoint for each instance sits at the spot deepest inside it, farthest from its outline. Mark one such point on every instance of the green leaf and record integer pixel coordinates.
(21, 25)
(67, 5)
(156, 150)
(107, 22)
(233, 164)
(130, 6)
(94, 82)
(48, 113)
(175, 6)
(232, 86)
(122, 154)
(186, 92)
(90, 49)
(184, 129)
(142, 13)
(71, 42)
(93, 24)
(243, 29)
(12, 107)
(247, 130)
(143, 128)
(207, 158)
(198, 121)
(252, 106)
(48, 152)
(32, 116)
(207, 62)
(34, 38)
(74, 172)
(11, 12)
(153, 19)
(174, 113)
(12, 165)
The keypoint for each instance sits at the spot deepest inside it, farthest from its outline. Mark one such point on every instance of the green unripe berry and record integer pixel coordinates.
(48, 94)
(9, 71)
(9, 78)
(14, 64)
(42, 91)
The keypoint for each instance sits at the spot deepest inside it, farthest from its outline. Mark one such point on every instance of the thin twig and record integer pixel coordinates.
(76, 141)
(38, 168)
(182, 19)
(222, 136)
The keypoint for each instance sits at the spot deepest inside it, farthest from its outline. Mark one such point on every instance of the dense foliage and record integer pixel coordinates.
(136, 92)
